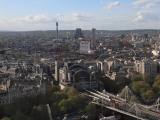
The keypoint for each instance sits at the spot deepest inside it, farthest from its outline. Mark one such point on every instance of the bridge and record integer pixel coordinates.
(125, 103)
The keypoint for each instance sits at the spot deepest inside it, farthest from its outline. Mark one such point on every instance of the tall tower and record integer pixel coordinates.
(57, 32)
(93, 41)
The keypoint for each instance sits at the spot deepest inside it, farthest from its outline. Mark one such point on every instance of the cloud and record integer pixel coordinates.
(46, 19)
(140, 2)
(139, 17)
(80, 17)
(147, 11)
(147, 3)
(146, 16)
(75, 17)
(34, 19)
(112, 5)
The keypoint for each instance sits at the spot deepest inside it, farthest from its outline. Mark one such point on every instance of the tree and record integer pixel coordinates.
(19, 116)
(140, 87)
(1, 111)
(148, 96)
(64, 105)
(6, 118)
(143, 90)
(156, 85)
(109, 85)
(55, 110)
(137, 77)
(9, 110)
(91, 111)
(40, 113)
(24, 104)
(71, 101)
(56, 97)
(71, 104)
(70, 91)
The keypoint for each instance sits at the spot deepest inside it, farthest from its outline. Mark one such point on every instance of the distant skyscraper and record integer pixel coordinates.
(57, 32)
(93, 41)
(78, 33)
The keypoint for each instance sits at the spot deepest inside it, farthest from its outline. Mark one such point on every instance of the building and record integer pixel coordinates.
(57, 31)
(77, 75)
(56, 76)
(4, 84)
(146, 67)
(93, 40)
(85, 47)
(78, 33)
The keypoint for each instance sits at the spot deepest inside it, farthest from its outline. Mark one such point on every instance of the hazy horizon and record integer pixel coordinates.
(75, 29)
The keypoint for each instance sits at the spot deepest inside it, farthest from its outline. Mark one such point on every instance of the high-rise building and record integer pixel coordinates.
(57, 32)
(93, 41)
(78, 33)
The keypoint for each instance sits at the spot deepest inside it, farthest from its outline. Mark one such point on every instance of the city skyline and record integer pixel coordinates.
(25, 15)
(79, 60)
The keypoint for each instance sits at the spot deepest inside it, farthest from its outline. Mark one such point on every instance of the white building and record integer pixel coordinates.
(85, 47)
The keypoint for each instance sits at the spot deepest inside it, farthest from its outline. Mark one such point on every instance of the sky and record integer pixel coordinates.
(24, 15)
